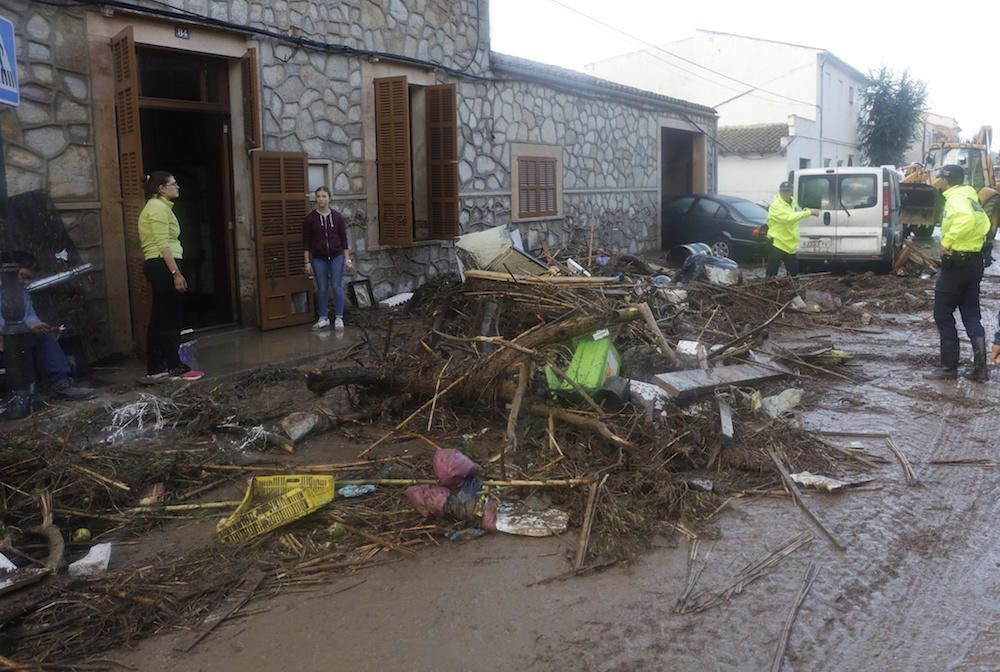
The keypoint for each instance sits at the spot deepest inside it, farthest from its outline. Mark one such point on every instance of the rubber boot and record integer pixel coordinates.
(948, 369)
(980, 372)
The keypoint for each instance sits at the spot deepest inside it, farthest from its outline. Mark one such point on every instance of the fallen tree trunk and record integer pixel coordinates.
(321, 382)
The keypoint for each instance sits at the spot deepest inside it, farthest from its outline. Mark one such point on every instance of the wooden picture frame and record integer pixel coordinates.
(360, 294)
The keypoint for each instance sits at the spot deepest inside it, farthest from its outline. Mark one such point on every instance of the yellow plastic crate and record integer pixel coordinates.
(265, 487)
(273, 501)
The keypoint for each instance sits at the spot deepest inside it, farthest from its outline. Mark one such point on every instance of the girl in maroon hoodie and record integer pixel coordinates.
(324, 241)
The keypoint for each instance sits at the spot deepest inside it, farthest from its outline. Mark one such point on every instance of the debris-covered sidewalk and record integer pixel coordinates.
(614, 400)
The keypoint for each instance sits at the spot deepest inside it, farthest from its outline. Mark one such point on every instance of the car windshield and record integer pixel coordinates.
(750, 211)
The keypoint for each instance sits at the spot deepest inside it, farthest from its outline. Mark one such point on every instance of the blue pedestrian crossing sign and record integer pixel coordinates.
(10, 94)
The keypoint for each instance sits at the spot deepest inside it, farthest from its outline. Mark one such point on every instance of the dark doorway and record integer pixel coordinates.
(193, 147)
(677, 163)
(183, 128)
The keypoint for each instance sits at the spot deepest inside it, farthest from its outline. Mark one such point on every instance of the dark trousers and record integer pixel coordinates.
(51, 368)
(163, 337)
(958, 287)
(50, 360)
(774, 258)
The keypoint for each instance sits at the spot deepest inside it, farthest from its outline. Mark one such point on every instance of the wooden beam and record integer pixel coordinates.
(683, 385)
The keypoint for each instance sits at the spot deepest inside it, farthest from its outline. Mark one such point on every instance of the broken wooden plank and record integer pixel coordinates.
(901, 259)
(234, 600)
(726, 420)
(684, 385)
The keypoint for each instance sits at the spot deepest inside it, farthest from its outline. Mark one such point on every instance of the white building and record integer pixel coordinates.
(934, 128)
(757, 86)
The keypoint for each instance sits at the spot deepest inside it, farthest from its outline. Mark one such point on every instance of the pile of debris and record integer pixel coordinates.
(624, 401)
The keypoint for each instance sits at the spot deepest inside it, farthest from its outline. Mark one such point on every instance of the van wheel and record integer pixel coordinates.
(722, 247)
(884, 266)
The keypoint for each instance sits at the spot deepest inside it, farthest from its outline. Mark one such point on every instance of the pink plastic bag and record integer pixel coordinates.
(430, 500)
(452, 467)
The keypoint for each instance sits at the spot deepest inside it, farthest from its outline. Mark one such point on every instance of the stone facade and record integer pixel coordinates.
(48, 139)
(313, 101)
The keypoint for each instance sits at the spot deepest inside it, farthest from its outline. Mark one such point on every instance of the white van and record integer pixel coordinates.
(859, 215)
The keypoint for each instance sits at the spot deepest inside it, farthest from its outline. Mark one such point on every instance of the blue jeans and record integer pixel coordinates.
(329, 274)
(50, 361)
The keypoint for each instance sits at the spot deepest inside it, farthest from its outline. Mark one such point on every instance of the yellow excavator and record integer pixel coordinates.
(922, 203)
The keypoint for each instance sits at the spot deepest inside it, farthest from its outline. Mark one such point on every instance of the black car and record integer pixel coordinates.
(730, 226)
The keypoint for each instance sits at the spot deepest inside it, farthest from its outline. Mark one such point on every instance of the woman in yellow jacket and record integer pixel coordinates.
(159, 235)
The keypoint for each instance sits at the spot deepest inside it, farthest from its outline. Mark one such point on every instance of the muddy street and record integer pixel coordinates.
(697, 553)
(911, 591)
(391, 335)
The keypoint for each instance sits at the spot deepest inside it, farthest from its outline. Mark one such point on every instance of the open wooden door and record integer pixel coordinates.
(281, 203)
(130, 163)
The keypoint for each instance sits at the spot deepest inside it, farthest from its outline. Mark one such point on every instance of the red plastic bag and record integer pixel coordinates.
(452, 467)
(430, 500)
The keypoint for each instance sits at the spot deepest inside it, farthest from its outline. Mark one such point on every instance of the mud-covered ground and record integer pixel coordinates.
(914, 588)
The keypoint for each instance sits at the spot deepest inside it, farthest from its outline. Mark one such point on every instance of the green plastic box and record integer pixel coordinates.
(594, 361)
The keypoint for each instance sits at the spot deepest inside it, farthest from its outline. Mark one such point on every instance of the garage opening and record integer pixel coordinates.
(682, 173)
(677, 162)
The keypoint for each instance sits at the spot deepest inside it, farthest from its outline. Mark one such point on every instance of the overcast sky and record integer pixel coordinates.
(956, 53)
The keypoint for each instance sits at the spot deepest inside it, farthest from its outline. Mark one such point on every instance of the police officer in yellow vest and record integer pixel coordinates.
(964, 226)
(783, 219)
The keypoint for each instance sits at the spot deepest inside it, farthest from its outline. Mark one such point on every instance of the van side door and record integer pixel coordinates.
(818, 234)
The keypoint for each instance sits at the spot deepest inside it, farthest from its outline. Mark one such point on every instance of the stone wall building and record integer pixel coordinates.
(399, 106)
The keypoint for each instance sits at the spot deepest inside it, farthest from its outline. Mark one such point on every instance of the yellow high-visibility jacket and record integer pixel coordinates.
(964, 225)
(783, 224)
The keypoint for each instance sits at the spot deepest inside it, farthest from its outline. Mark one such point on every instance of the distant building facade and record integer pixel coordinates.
(757, 86)
(933, 129)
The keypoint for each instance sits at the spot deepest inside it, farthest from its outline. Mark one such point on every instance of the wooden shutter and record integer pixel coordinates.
(125, 66)
(251, 99)
(442, 161)
(281, 203)
(536, 184)
(392, 161)
(547, 187)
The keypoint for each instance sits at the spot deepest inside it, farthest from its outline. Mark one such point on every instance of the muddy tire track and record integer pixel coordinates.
(908, 594)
